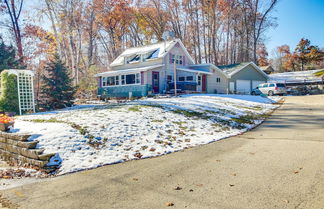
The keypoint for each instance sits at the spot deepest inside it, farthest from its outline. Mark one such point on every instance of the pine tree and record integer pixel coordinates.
(57, 90)
(8, 57)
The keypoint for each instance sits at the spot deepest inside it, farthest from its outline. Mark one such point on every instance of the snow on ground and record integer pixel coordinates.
(88, 136)
(299, 76)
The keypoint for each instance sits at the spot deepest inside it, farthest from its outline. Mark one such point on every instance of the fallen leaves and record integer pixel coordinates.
(15, 173)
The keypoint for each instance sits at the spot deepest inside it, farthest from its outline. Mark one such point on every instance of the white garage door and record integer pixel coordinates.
(243, 86)
(256, 83)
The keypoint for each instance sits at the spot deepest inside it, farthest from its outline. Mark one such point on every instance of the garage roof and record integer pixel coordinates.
(232, 69)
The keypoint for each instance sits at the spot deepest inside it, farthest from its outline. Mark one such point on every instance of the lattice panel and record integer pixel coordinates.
(25, 92)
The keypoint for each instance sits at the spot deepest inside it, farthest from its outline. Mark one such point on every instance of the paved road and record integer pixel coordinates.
(280, 164)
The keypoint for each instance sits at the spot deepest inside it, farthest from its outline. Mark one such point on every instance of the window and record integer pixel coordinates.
(218, 80)
(133, 78)
(111, 81)
(135, 58)
(272, 85)
(138, 78)
(104, 81)
(153, 54)
(181, 78)
(265, 85)
(122, 79)
(199, 80)
(117, 80)
(130, 79)
(189, 78)
(280, 85)
(169, 78)
(177, 59)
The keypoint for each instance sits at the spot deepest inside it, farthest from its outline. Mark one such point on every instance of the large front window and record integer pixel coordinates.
(121, 80)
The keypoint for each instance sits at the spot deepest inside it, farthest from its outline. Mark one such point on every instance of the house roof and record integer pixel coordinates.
(296, 77)
(163, 48)
(232, 69)
(207, 67)
(128, 71)
(267, 68)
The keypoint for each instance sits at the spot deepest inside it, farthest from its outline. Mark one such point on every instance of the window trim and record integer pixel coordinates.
(120, 80)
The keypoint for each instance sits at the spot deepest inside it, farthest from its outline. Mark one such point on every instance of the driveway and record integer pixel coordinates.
(280, 164)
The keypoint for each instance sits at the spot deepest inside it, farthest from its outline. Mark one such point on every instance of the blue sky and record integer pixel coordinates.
(297, 19)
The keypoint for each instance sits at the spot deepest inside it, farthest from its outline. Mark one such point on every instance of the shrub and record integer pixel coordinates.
(9, 93)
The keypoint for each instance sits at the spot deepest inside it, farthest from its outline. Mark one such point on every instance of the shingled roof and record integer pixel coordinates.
(229, 69)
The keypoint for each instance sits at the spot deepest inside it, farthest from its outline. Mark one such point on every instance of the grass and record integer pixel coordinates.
(250, 118)
(157, 121)
(180, 123)
(135, 108)
(51, 120)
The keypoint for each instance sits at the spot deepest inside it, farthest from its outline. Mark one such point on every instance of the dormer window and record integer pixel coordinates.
(133, 59)
(152, 54)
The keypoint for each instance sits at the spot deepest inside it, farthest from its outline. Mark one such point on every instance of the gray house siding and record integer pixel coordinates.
(247, 73)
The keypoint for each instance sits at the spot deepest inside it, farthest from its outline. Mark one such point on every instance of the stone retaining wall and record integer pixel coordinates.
(17, 149)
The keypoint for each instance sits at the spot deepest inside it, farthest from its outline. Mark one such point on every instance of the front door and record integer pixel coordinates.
(199, 83)
(155, 81)
(204, 83)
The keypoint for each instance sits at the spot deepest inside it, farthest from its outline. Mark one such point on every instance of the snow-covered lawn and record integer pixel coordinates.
(88, 136)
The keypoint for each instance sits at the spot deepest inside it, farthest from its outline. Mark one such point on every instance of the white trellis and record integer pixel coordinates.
(25, 86)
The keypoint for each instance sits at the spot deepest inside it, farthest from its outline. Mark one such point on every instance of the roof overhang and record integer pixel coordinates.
(194, 71)
(254, 66)
(127, 71)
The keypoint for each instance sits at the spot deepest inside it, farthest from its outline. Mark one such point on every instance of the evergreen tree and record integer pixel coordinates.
(57, 90)
(8, 57)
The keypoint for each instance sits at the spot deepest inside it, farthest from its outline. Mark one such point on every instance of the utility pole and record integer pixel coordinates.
(175, 76)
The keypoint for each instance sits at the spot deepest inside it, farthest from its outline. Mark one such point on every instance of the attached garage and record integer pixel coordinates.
(243, 86)
(256, 83)
(244, 76)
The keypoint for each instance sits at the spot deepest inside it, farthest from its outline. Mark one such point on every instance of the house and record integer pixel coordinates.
(267, 69)
(243, 77)
(145, 70)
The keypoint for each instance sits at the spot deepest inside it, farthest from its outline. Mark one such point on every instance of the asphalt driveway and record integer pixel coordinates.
(280, 164)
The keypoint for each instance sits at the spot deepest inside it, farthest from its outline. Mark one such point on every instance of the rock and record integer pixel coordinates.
(152, 149)
(138, 155)
(177, 188)
(169, 204)
(144, 147)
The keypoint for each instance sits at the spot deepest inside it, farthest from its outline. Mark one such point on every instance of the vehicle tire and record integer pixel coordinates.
(270, 93)
(253, 93)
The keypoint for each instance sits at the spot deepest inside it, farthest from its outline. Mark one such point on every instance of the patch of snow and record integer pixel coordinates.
(139, 129)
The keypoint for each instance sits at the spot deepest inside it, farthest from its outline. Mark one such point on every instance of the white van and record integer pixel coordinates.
(270, 89)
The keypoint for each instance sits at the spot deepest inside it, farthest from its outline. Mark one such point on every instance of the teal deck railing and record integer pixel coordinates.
(123, 91)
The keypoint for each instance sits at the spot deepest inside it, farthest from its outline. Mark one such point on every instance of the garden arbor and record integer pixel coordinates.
(17, 91)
